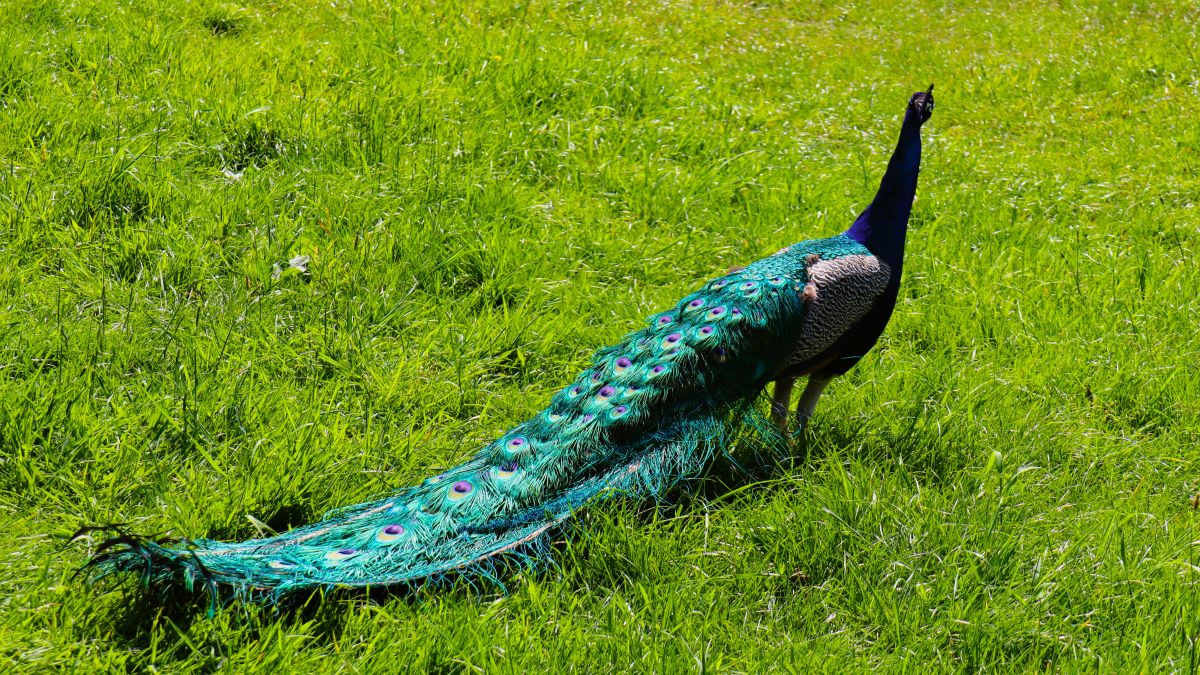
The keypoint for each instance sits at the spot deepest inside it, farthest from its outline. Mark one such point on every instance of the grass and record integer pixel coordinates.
(487, 193)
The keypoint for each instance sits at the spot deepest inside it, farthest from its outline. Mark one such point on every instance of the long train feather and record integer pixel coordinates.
(650, 412)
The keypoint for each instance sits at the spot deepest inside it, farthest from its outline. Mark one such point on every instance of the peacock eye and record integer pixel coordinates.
(340, 554)
(460, 490)
(389, 533)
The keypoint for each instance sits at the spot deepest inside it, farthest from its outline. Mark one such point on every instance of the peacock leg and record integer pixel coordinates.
(781, 401)
(807, 404)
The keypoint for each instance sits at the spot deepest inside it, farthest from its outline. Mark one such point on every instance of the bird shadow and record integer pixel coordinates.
(146, 610)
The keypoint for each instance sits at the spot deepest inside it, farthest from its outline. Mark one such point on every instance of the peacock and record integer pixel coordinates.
(648, 413)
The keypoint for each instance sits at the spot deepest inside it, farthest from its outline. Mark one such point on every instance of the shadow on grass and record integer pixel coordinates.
(162, 625)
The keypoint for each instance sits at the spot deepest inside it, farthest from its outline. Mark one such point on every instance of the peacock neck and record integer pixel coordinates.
(884, 224)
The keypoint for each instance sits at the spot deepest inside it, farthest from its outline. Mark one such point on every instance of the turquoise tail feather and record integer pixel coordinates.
(650, 412)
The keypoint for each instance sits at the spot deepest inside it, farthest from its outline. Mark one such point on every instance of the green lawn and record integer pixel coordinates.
(489, 193)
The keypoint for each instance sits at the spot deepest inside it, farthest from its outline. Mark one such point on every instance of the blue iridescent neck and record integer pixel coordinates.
(883, 225)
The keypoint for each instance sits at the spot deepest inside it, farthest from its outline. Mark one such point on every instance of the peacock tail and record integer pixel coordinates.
(649, 412)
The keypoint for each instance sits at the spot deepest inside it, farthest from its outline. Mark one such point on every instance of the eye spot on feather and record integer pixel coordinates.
(505, 471)
(434, 480)
(671, 340)
(553, 417)
(586, 419)
(459, 491)
(657, 371)
(516, 445)
(622, 364)
(706, 330)
(389, 533)
(777, 281)
(618, 412)
(341, 554)
(574, 392)
(596, 376)
(715, 313)
(696, 304)
(605, 393)
(280, 565)
(664, 319)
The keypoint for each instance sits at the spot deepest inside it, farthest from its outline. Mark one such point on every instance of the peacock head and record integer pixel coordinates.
(920, 106)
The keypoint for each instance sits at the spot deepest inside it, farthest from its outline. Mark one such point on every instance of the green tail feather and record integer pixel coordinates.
(650, 411)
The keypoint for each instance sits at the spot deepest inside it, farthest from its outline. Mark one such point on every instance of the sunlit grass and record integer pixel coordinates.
(488, 193)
